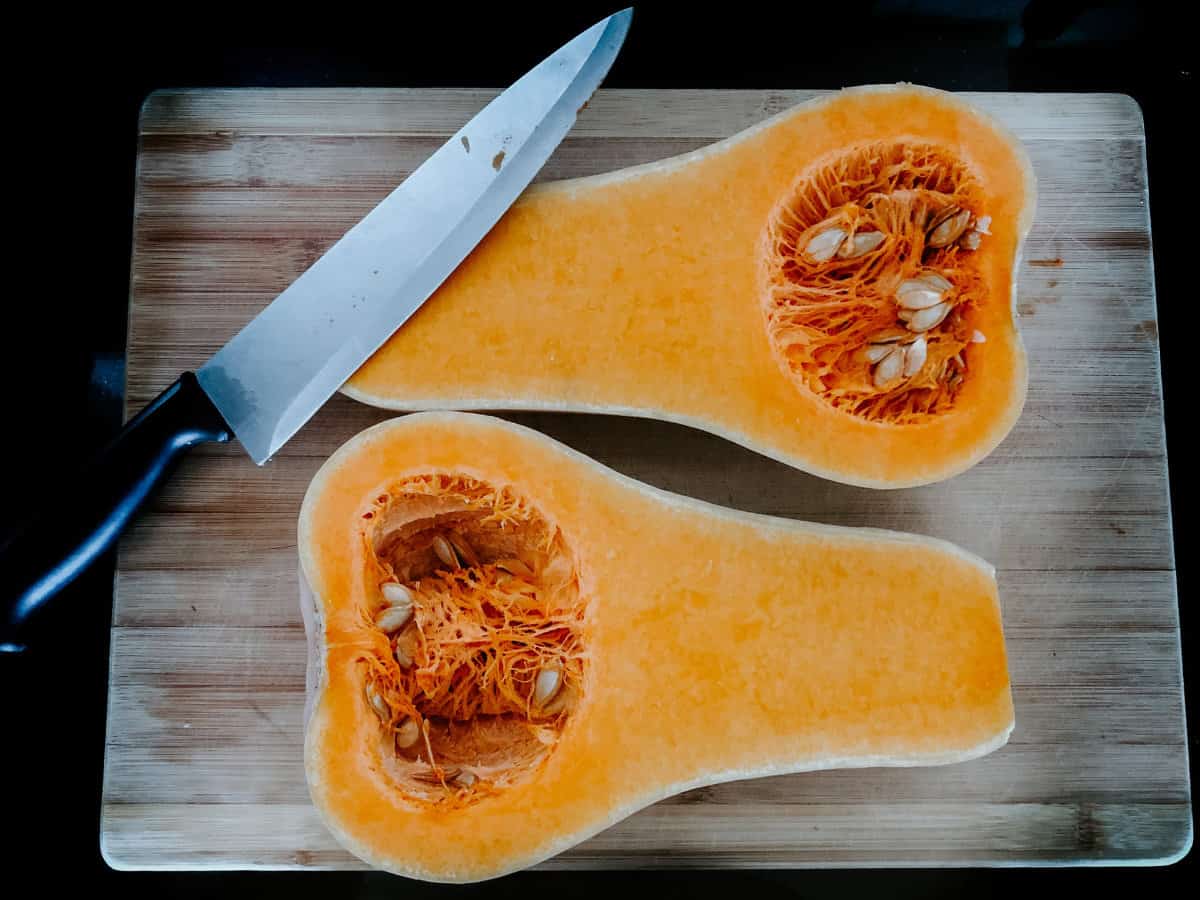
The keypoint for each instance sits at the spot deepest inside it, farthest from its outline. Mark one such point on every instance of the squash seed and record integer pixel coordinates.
(378, 703)
(924, 319)
(397, 594)
(408, 733)
(948, 227)
(824, 245)
(549, 680)
(977, 337)
(935, 281)
(404, 648)
(463, 550)
(876, 352)
(914, 357)
(391, 619)
(911, 297)
(445, 552)
(889, 368)
(970, 241)
(861, 244)
(466, 778)
(923, 291)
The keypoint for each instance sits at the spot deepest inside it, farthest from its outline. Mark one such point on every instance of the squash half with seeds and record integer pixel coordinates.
(834, 288)
(512, 647)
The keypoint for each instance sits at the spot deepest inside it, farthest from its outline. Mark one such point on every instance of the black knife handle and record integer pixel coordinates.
(53, 549)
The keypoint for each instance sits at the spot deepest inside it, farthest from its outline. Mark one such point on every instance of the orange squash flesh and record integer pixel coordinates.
(680, 290)
(714, 645)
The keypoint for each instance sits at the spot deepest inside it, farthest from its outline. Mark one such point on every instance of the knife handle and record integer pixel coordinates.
(56, 547)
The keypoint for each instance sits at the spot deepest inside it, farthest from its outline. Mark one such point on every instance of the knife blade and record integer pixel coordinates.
(274, 374)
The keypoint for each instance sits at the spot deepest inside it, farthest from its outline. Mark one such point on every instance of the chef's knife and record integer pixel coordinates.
(276, 372)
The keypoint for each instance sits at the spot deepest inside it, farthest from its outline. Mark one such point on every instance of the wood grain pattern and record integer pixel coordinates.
(238, 191)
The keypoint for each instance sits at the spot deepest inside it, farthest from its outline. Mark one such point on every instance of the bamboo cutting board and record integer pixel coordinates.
(238, 191)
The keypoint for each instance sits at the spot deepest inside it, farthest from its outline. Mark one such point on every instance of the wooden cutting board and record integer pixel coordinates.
(238, 191)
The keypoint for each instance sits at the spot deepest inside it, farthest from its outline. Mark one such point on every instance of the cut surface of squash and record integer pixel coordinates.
(834, 288)
(513, 647)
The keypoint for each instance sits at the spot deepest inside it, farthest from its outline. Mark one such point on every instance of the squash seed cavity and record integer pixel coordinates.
(879, 240)
(480, 610)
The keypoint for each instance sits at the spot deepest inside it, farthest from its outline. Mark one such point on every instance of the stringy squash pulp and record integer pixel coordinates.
(834, 288)
(513, 647)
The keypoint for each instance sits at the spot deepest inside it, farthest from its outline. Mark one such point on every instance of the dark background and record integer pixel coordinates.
(74, 89)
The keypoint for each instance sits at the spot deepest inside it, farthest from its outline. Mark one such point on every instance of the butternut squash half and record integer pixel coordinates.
(834, 288)
(513, 647)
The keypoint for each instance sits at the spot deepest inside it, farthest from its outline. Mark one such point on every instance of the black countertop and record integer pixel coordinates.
(74, 97)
